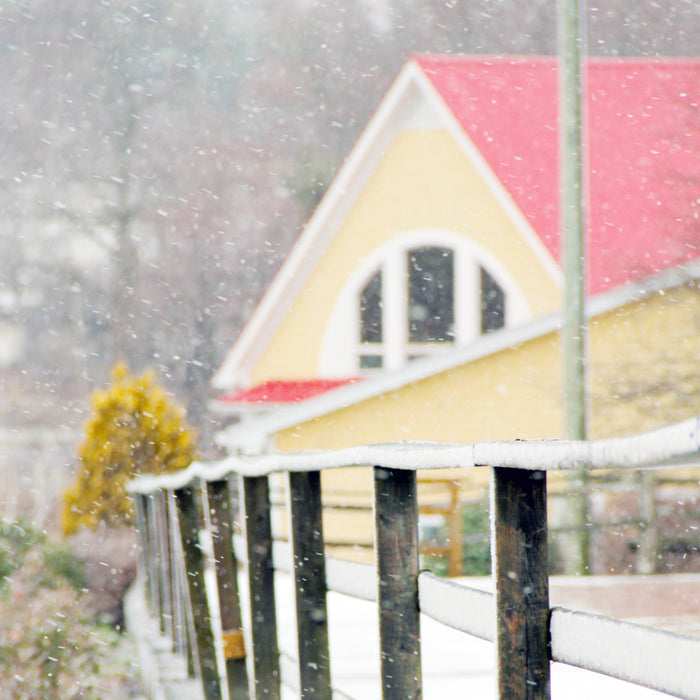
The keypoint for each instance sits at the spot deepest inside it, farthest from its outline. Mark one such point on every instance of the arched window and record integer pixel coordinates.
(424, 296)
(418, 295)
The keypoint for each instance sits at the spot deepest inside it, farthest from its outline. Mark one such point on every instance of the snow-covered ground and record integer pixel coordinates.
(454, 664)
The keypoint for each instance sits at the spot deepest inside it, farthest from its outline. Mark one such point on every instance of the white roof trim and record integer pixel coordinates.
(237, 437)
(250, 408)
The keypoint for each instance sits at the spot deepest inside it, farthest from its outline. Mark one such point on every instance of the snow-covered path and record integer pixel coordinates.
(454, 664)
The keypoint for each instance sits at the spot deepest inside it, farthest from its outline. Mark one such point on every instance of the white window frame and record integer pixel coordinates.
(341, 346)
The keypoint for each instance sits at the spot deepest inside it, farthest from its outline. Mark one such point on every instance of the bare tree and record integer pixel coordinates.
(160, 157)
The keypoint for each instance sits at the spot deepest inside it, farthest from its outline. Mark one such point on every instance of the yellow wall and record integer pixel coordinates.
(643, 374)
(514, 394)
(508, 395)
(423, 181)
(642, 356)
(645, 360)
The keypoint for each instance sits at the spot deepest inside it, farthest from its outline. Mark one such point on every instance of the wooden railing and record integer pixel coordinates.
(528, 633)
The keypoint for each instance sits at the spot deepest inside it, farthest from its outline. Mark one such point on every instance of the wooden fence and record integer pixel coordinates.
(528, 634)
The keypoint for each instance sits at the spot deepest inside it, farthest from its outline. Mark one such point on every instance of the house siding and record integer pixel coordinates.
(424, 181)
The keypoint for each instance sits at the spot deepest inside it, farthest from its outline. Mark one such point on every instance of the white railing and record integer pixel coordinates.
(528, 633)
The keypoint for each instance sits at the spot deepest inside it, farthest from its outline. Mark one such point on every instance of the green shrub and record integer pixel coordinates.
(20, 542)
(476, 539)
(61, 565)
(16, 539)
(476, 543)
(48, 649)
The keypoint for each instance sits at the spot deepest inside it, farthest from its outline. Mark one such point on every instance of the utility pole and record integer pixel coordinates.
(571, 50)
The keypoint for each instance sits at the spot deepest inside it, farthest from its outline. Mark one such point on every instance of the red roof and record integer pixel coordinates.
(279, 391)
(643, 152)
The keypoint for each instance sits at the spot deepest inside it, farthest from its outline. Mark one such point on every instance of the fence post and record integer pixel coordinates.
(456, 553)
(649, 538)
(185, 643)
(396, 536)
(153, 556)
(261, 587)
(164, 564)
(219, 498)
(306, 532)
(519, 522)
(156, 559)
(194, 573)
(178, 606)
(141, 508)
(173, 583)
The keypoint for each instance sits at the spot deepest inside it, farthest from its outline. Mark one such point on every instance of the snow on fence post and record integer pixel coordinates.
(519, 522)
(396, 537)
(221, 519)
(306, 532)
(261, 587)
(199, 605)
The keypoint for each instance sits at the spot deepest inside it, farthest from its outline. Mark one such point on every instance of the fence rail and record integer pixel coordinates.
(517, 617)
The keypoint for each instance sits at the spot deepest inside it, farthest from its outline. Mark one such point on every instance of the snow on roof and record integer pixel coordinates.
(643, 138)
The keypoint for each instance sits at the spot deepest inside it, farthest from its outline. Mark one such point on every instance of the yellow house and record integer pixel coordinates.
(422, 300)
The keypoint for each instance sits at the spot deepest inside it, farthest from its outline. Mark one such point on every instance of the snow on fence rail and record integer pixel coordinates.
(517, 617)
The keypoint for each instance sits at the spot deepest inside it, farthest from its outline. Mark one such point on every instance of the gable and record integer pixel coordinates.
(408, 174)
(403, 105)
(423, 189)
(502, 115)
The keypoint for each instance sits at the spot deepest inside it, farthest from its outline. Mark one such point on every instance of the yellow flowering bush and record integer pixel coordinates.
(134, 428)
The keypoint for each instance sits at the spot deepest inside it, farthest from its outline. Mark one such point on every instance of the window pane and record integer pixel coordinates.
(371, 311)
(371, 361)
(493, 307)
(430, 295)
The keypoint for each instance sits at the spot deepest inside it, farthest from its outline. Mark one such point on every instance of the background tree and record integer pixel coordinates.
(160, 157)
(135, 428)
